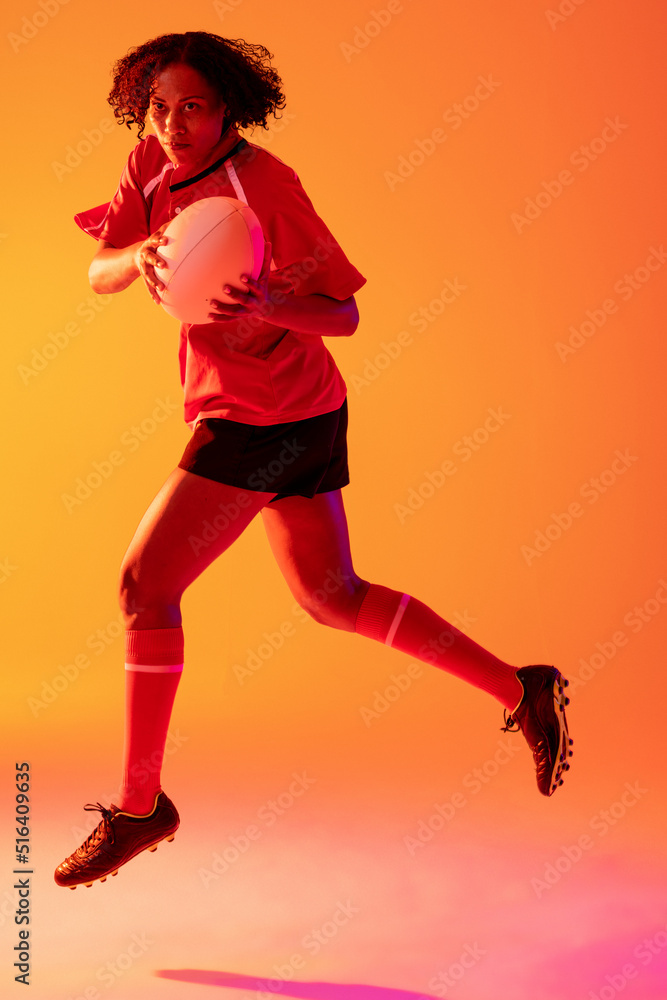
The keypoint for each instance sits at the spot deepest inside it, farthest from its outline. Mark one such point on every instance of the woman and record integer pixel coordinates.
(268, 411)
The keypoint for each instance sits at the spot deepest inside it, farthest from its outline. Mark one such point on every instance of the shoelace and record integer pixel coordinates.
(104, 826)
(511, 724)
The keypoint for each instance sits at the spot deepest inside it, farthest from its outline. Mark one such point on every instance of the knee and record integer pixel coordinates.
(336, 607)
(143, 601)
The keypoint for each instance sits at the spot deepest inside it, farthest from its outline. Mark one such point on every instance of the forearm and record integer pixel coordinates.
(113, 270)
(316, 314)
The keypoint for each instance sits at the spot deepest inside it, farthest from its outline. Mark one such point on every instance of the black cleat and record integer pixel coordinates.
(115, 840)
(540, 715)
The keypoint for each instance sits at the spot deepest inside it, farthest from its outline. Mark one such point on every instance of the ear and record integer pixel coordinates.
(226, 118)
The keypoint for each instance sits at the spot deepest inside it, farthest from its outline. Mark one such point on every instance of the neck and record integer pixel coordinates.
(227, 141)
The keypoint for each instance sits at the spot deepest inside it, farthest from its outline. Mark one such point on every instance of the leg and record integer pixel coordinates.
(310, 541)
(191, 522)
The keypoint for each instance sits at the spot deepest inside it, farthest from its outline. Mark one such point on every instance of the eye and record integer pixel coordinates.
(156, 106)
(191, 106)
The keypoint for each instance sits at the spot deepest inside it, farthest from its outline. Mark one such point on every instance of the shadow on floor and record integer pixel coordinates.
(289, 988)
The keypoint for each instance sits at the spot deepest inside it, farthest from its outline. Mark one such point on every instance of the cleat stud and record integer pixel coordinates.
(567, 701)
(72, 887)
(570, 753)
(88, 885)
(566, 683)
(571, 741)
(153, 848)
(114, 873)
(103, 879)
(169, 839)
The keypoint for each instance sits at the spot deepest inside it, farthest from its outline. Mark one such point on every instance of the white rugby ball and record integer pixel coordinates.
(211, 243)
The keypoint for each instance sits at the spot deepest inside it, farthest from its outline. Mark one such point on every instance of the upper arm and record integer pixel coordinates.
(305, 252)
(102, 245)
(353, 312)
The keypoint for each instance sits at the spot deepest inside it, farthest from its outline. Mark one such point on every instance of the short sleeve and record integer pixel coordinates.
(92, 220)
(307, 257)
(125, 219)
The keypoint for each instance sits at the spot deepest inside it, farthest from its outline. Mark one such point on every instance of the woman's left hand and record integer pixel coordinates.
(252, 299)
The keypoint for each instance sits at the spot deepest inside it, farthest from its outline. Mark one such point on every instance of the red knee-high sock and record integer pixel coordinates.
(153, 667)
(404, 623)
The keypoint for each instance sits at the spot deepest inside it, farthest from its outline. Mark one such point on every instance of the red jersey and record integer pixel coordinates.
(254, 373)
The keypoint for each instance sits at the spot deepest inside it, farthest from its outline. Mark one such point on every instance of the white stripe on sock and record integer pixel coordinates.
(154, 668)
(397, 620)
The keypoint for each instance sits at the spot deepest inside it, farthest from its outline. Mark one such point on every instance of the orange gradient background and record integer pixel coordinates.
(500, 879)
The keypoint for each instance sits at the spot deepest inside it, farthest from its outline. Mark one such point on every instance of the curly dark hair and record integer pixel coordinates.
(239, 71)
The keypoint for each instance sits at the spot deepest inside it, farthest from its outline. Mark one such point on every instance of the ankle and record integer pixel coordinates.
(138, 802)
(512, 691)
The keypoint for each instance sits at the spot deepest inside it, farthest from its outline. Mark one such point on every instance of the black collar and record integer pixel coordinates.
(209, 170)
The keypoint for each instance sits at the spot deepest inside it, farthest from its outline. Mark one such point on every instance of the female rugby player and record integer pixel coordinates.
(267, 407)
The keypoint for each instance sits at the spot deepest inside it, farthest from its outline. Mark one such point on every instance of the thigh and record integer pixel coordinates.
(191, 521)
(310, 541)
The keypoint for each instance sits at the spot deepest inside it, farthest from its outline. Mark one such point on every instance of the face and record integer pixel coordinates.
(186, 114)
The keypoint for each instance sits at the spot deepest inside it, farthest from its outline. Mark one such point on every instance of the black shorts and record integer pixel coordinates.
(300, 458)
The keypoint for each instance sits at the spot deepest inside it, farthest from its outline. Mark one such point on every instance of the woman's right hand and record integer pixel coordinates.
(147, 259)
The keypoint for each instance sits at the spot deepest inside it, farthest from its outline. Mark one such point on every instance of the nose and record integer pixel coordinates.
(174, 123)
